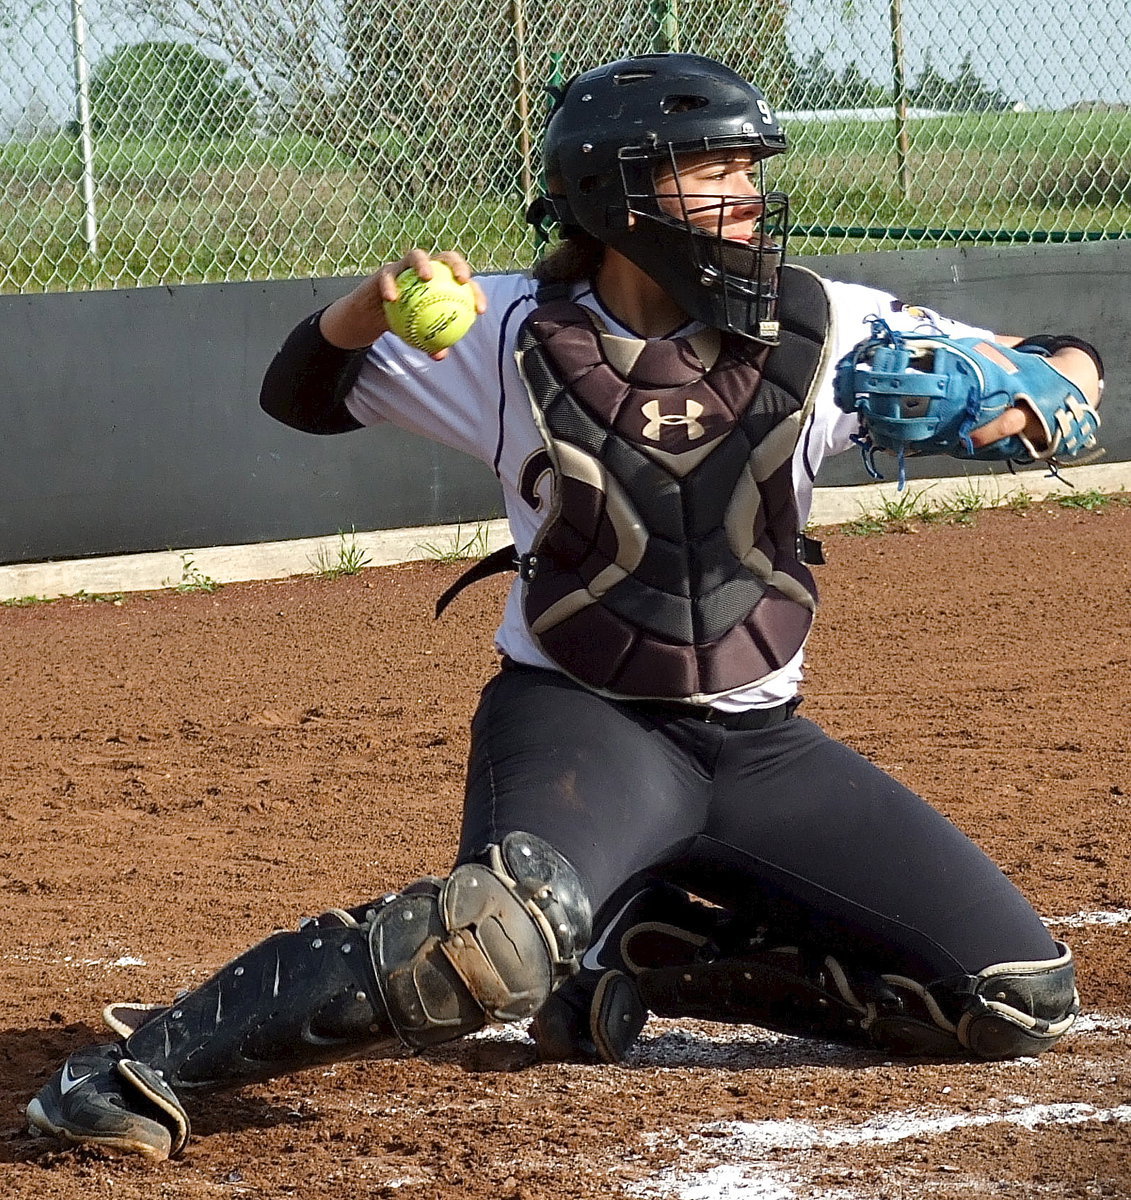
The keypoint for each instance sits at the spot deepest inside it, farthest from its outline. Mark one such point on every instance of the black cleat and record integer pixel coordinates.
(597, 1015)
(101, 1098)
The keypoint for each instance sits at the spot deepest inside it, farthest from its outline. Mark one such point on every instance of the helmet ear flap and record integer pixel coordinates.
(557, 93)
(547, 211)
(541, 210)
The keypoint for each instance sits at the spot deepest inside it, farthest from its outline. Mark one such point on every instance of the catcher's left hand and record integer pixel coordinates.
(926, 394)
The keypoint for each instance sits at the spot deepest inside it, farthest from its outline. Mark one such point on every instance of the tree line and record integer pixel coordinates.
(171, 89)
(814, 84)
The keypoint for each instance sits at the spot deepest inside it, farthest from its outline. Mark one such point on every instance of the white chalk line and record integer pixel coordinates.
(667, 1044)
(1099, 1023)
(752, 1140)
(1078, 920)
(671, 1044)
(756, 1137)
(69, 960)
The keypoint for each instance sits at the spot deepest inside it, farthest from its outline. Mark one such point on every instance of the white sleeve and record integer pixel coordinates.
(455, 401)
(854, 307)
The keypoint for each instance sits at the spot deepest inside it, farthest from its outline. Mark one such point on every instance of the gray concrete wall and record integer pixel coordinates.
(132, 423)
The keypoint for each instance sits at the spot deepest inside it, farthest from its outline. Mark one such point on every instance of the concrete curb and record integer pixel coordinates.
(836, 506)
(277, 560)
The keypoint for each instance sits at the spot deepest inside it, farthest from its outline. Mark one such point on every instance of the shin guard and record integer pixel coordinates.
(296, 1000)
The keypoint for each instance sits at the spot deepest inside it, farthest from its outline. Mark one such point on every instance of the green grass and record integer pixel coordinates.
(1020, 501)
(193, 578)
(964, 505)
(982, 172)
(897, 510)
(283, 207)
(116, 598)
(348, 559)
(905, 508)
(865, 525)
(473, 545)
(119, 159)
(901, 511)
(1090, 501)
(199, 211)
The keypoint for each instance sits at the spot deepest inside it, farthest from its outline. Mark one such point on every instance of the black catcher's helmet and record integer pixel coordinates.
(609, 131)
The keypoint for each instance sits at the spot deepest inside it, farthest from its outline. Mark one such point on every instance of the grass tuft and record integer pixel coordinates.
(348, 559)
(1020, 501)
(964, 505)
(894, 512)
(1090, 501)
(193, 578)
(86, 597)
(472, 546)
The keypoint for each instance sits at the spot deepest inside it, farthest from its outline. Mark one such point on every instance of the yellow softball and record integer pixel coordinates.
(431, 314)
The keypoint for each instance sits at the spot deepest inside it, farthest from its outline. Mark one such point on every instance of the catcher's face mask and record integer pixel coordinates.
(713, 211)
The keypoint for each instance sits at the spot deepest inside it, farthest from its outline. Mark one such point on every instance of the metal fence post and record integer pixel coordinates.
(522, 96)
(666, 15)
(82, 112)
(899, 81)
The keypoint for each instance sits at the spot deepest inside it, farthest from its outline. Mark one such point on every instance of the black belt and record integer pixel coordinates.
(751, 718)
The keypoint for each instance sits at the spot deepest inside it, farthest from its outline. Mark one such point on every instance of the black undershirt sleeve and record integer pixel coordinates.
(1052, 342)
(308, 380)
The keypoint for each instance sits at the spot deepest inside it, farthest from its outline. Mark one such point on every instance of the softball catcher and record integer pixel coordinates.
(655, 400)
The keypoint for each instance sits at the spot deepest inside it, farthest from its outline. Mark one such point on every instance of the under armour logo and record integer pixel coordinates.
(657, 420)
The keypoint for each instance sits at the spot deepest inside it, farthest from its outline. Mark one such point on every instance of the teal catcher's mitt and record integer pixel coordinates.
(925, 394)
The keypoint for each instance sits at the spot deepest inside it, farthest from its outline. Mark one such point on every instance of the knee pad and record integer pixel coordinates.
(552, 894)
(1022, 1008)
(487, 943)
(1008, 1010)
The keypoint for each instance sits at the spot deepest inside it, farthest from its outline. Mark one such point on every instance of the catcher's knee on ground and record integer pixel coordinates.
(1004, 1011)
(1021, 1008)
(490, 941)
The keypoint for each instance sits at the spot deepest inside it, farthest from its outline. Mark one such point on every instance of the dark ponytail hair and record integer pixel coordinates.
(574, 259)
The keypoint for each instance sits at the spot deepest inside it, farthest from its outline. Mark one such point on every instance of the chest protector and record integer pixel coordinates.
(669, 565)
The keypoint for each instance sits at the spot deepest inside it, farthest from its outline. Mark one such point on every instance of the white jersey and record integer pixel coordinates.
(475, 401)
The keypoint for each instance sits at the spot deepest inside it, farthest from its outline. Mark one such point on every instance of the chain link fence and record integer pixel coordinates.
(171, 141)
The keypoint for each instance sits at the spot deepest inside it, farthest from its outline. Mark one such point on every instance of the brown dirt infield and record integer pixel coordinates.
(181, 773)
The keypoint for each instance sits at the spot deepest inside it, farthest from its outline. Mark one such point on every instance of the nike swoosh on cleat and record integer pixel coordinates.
(68, 1081)
(591, 960)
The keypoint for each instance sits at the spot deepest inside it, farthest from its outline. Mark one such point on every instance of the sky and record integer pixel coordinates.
(1058, 53)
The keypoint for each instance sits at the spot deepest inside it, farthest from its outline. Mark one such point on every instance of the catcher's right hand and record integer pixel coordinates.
(927, 394)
